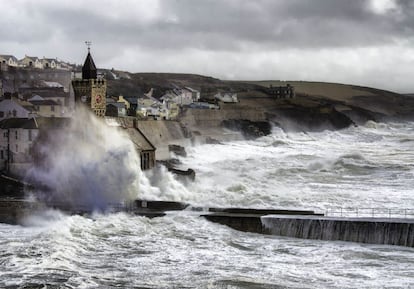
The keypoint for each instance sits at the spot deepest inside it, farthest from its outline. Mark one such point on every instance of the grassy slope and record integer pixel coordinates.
(372, 99)
(309, 94)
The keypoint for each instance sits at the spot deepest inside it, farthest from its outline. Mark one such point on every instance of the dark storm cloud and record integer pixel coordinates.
(353, 41)
(223, 25)
(291, 23)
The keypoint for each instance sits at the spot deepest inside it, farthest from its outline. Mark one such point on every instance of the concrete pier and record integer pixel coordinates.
(386, 231)
(290, 223)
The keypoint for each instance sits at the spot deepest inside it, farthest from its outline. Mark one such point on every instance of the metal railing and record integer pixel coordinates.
(404, 213)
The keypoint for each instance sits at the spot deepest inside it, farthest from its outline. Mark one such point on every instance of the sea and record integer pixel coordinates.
(365, 169)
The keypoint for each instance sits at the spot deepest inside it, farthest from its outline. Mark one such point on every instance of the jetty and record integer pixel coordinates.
(305, 224)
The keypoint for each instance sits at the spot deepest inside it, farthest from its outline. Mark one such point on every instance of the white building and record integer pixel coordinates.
(9, 60)
(16, 138)
(31, 61)
(227, 97)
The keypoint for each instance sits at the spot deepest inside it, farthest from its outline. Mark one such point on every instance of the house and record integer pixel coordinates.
(178, 96)
(11, 108)
(47, 108)
(226, 97)
(16, 138)
(9, 60)
(50, 63)
(56, 94)
(133, 105)
(121, 99)
(195, 93)
(143, 146)
(31, 61)
(281, 92)
(116, 109)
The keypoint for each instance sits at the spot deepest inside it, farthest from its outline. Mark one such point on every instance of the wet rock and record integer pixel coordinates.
(178, 150)
(210, 140)
(249, 129)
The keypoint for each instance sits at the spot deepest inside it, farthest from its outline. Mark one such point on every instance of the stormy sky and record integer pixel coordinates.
(365, 42)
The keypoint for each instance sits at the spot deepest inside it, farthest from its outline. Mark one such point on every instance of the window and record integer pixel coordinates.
(30, 134)
(17, 148)
(52, 108)
(1, 154)
(14, 113)
(16, 134)
(1, 113)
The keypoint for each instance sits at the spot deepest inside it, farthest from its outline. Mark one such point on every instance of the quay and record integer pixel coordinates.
(305, 224)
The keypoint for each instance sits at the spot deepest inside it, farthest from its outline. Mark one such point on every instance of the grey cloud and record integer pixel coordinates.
(225, 25)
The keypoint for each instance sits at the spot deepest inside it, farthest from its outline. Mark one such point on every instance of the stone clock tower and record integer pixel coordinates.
(90, 90)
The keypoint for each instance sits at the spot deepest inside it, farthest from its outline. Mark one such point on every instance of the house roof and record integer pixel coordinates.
(132, 100)
(52, 84)
(31, 57)
(117, 104)
(89, 69)
(35, 123)
(53, 122)
(25, 123)
(43, 102)
(139, 139)
(136, 136)
(5, 56)
(48, 59)
(36, 97)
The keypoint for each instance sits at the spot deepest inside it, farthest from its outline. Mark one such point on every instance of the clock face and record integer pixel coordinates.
(84, 98)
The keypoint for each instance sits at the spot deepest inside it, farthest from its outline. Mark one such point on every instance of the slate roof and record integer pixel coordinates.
(43, 102)
(25, 123)
(34, 58)
(132, 100)
(8, 57)
(35, 123)
(89, 69)
(53, 122)
(117, 104)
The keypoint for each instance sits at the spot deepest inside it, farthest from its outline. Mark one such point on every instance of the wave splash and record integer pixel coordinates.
(87, 163)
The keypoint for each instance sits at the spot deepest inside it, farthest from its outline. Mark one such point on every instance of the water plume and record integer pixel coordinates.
(85, 163)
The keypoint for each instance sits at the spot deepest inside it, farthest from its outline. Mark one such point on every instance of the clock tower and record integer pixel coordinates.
(90, 91)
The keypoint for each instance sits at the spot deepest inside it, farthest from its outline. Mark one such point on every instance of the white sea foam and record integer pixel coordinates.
(86, 163)
(356, 167)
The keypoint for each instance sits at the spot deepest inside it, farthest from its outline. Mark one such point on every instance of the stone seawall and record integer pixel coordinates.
(197, 126)
(163, 133)
(398, 232)
(385, 231)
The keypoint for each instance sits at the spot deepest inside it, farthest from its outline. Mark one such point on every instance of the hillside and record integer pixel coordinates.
(371, 102)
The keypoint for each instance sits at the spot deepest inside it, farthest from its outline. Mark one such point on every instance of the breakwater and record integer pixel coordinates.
(362, 230)
(290, 223)
(387, 231)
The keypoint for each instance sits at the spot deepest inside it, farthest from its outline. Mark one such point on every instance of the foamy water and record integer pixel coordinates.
(369, 166)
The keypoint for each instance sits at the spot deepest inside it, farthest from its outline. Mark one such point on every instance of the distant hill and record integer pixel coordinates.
(309, 94)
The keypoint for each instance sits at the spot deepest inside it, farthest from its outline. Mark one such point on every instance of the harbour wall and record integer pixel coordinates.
(197, 126)
(386, 231)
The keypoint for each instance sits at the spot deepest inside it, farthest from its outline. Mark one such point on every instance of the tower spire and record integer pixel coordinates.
(89, 69)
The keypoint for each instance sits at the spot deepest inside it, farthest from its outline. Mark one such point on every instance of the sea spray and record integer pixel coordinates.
(85, 163)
